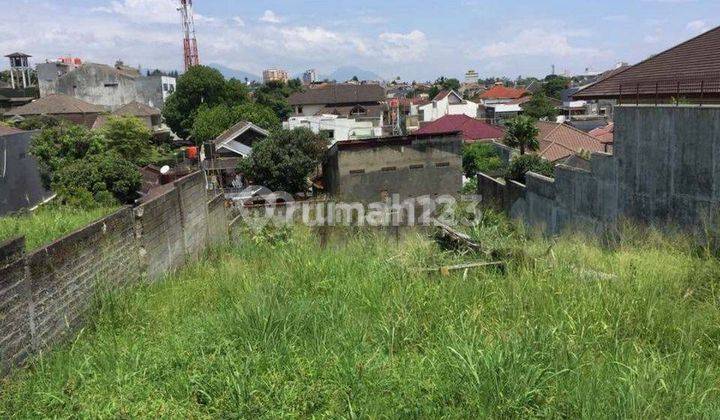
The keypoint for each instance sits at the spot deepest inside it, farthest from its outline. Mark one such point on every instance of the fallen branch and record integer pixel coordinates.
(445, 270)
(458, 239)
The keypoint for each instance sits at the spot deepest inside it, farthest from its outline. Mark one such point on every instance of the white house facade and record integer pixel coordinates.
(445, 103)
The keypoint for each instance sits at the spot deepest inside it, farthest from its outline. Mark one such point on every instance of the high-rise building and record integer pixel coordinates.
(275, 75)
(471, 77)
(309, 77)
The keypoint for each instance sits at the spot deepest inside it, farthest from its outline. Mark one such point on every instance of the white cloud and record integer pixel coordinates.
(239, 21)
(698, 26)
(399, 47)
(153, 11)
(270, 17)
(536, 41)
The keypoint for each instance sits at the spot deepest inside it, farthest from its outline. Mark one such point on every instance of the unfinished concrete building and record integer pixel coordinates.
(100, 84)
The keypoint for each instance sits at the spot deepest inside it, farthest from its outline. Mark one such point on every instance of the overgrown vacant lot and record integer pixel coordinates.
(48, 224)
(295, 330)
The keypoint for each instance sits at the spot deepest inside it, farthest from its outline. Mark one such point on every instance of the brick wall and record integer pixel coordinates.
(45, 295)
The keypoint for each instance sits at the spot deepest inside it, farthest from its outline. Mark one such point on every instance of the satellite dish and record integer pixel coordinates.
(164, 170)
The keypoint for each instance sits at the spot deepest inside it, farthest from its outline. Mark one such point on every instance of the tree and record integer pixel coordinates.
(284, 161)
(274, 95)
(522, 133)
(105, 177)
(130, 137)
(37, 122)
(540, 107)
(482, 157)
(85, 166)
(523, 164)
(200, 85)
(211, 122)
(554, 85)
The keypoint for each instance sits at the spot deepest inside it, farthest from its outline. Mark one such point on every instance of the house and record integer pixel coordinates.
(100, 84)
(446, 102)
(221, 156)
(12, 98)
(501, 94)
(689, 72)
(20, 184)
(606, 135)
(412, 166)
(472, 129)
(61, 106)
(340, 111)
(560, 141)
(151, 117)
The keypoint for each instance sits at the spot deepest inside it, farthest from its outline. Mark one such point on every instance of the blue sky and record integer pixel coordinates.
(417, 40)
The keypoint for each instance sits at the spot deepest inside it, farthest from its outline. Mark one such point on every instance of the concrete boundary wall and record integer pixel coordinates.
(665, 171)
(46, 294)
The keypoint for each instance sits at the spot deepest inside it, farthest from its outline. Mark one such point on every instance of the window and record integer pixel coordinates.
(357, 171)
(166, 88)
(299, 110)
(389, 169)
(417, 167)
(111, 85)
(442, 164)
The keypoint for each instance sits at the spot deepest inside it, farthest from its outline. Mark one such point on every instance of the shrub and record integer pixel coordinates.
(103, 179)
(527, 163)
(482, 157)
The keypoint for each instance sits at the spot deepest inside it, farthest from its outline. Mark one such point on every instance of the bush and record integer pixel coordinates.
(482, 157)
(284, 161)
(527, 163)
(131, 138)
(103, 179)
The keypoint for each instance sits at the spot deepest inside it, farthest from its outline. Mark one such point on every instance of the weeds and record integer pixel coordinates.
(297, 330)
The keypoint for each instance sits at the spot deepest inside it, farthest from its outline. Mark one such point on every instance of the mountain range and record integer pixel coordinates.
(341, 74)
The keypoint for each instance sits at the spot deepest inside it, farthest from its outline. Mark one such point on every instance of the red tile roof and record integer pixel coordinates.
(471, 128)
(605, 134)
(502, 92)
(559, 141)
(681, 68)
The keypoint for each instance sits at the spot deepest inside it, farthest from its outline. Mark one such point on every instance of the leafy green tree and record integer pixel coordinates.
(55, 146)
(523, 164)
(104, 177)
(211, 122)
(522, 133)
(237, 92)
(130, 137)
(554, 85)
(540, 107)
(275, 94)
(482, 157)
(200, 85)
(284, 161)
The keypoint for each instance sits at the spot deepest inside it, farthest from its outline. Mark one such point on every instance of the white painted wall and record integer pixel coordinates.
(438, 109)
(343, 128)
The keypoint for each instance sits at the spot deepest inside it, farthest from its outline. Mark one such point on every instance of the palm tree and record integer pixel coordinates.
(522, 133)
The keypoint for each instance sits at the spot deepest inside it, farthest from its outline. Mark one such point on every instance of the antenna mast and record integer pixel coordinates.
(192, 58)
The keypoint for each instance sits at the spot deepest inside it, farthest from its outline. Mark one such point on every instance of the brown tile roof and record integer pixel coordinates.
(136, 109)
(606, 134)
(339, 94)
(559, 141)
(688, 64)
(57, 104)
(5, 130)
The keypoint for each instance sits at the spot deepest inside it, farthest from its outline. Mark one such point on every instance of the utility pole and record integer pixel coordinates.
(192, 58)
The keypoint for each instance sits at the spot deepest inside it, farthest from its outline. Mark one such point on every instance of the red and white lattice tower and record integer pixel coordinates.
(192, 57)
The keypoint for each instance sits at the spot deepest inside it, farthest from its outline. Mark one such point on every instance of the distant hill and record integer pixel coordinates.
(237, 74)
(347, 72)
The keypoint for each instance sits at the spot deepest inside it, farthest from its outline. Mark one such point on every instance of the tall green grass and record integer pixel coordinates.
(355, 331)
(48, 224)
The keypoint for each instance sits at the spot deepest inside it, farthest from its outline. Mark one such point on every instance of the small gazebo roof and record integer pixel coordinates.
(18, 54)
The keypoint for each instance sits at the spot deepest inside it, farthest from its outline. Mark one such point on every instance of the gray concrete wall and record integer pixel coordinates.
(20, 183)
(44, 296)
(665, 171)
(426, 166)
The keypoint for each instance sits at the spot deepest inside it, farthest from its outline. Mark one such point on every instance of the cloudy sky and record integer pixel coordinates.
(418, 40)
